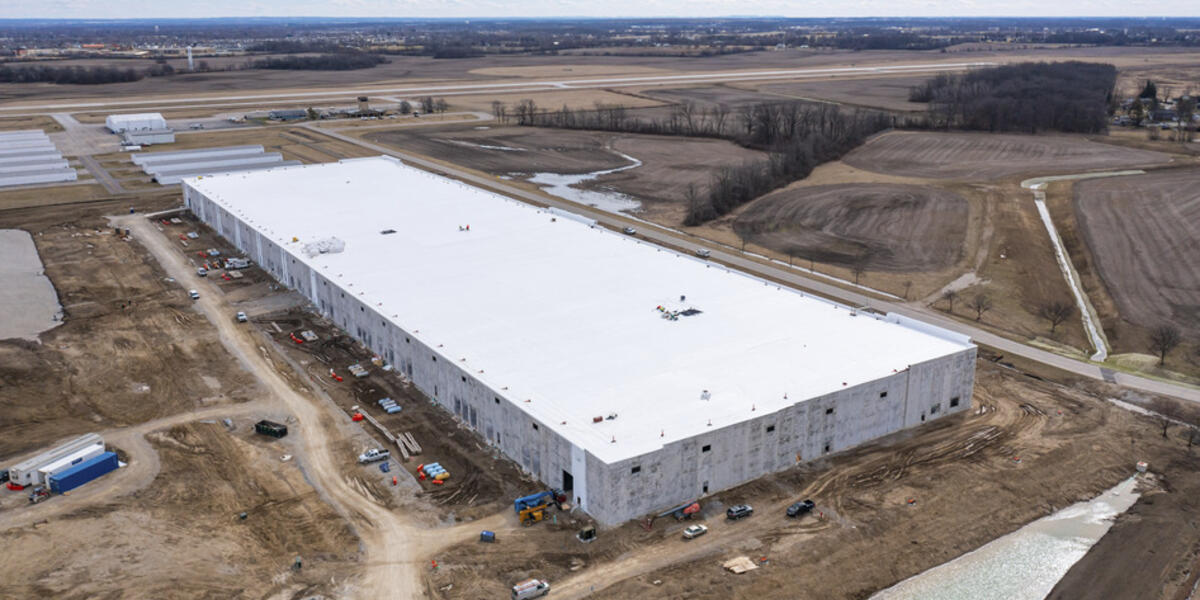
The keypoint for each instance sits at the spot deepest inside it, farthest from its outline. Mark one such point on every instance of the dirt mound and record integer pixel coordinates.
(1141, 230)
(983, 156)
(887, 226)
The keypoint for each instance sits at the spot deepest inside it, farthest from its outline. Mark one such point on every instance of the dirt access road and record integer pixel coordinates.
(393, 544)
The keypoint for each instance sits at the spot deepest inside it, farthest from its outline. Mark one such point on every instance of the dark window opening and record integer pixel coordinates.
(954, 402)
(706, 448)
(637, 469)
(387, 231)
(829, 411)
(883, 394)
(933, 410)
(568, 482)
(827, 447)
(464, 378)
(434, 358)
(770, 428)
(535, 427)
(362, 309)
(407, 341)
(497, 400)
(705, 487)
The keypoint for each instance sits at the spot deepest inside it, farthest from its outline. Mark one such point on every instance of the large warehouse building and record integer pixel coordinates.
(634, 376)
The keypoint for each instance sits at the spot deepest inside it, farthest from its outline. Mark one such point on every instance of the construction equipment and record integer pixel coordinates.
(532, 508)
(38, 494)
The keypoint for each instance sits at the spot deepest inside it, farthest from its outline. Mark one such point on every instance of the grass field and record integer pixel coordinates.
(43, 122)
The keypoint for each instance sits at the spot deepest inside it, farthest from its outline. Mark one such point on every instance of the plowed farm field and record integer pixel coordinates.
(881, 226)
(1142, 231)
(983, 156)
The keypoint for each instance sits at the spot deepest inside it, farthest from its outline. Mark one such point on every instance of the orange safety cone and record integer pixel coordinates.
(393, 480)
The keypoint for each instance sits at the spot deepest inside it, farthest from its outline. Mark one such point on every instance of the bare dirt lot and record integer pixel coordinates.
(1142, 231)
(880, 226)
(181, 537)
(982, 156)
(884, 512)
(504, 150)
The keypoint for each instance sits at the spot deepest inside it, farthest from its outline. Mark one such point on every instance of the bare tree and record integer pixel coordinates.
(949, 296)
(907, 288)
(427, 104)
(405, 107)
(1184, 108)
(440, 105)
(981, 303)
(498, 110)
(858, 268)
(1056, 311)
(1163, 340)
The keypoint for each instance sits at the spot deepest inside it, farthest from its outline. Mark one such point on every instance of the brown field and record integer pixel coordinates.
(883, 227)
(48, 196)
(43, 122)
(553, 99)
(1141, 229)
(983, 157)
(529, 149)
(731, 95)
(888, 93)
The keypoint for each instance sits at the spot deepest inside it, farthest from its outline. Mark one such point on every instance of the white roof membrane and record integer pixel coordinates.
(562, 316)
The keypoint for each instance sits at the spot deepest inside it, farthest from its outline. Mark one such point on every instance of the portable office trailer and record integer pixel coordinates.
(26, 472)
(84, 472)
(149, 137)
(68, 461)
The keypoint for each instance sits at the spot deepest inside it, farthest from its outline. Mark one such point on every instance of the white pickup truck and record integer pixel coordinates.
(373, 455)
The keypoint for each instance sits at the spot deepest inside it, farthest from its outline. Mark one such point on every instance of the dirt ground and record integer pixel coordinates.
(42, 196)
(1141, 229)
(881, 226)
(181, 537)
(1167, 564)
(132, 353)
(884, 512)
(983, 156)
(45, 123)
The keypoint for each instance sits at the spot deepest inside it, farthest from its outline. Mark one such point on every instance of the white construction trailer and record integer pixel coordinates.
(26, 472)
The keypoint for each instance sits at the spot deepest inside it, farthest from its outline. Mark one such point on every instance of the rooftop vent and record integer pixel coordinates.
(387, 231)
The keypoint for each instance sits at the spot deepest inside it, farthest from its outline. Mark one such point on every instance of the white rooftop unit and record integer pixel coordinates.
(67, 462)
(135, 122)
(57, 176)
(26, 471)
(147, 158)
(173, 178)
(154, 166)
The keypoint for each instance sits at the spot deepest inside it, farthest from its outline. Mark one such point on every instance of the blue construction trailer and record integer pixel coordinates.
(84, 472)
(532, 500)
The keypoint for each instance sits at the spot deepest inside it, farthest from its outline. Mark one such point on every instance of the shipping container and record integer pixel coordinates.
(66, 462)
(271, 428)
(26, 472)
(83, 473)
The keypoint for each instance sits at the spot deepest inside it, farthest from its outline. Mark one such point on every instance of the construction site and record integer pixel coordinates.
(450, 356)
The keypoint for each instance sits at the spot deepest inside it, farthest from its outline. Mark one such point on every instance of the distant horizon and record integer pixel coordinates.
(580, 9)
(608, 18)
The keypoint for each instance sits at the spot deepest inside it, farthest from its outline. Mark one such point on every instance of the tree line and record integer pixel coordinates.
(321, 62)
(80, 75)
(1028, 97)
(797, 137)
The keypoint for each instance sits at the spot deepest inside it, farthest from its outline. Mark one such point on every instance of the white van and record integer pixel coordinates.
(530, 588)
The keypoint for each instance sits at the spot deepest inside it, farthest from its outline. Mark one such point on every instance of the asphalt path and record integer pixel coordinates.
(795, 278)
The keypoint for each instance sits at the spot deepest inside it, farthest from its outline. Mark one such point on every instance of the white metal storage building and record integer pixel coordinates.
(634, 376)
(135, 122)
(29, 157)
(169, 168)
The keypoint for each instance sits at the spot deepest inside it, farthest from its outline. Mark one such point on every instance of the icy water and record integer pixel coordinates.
(1025, 564)
(28, 302)
(563, 186)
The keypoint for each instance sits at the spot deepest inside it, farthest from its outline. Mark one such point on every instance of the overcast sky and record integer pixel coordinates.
(65, 9)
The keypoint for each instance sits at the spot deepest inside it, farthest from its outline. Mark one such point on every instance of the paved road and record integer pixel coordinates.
(444, 89)
(795, 278)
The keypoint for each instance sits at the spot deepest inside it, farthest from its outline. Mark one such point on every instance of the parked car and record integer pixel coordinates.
(373, 455)
(694, 531)
(629, 231)
(193, 294)
(530, 588)
(703, 252)
(241, 317)
(202, 272)
(740, 511)
(196, 126)
(800, 508)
